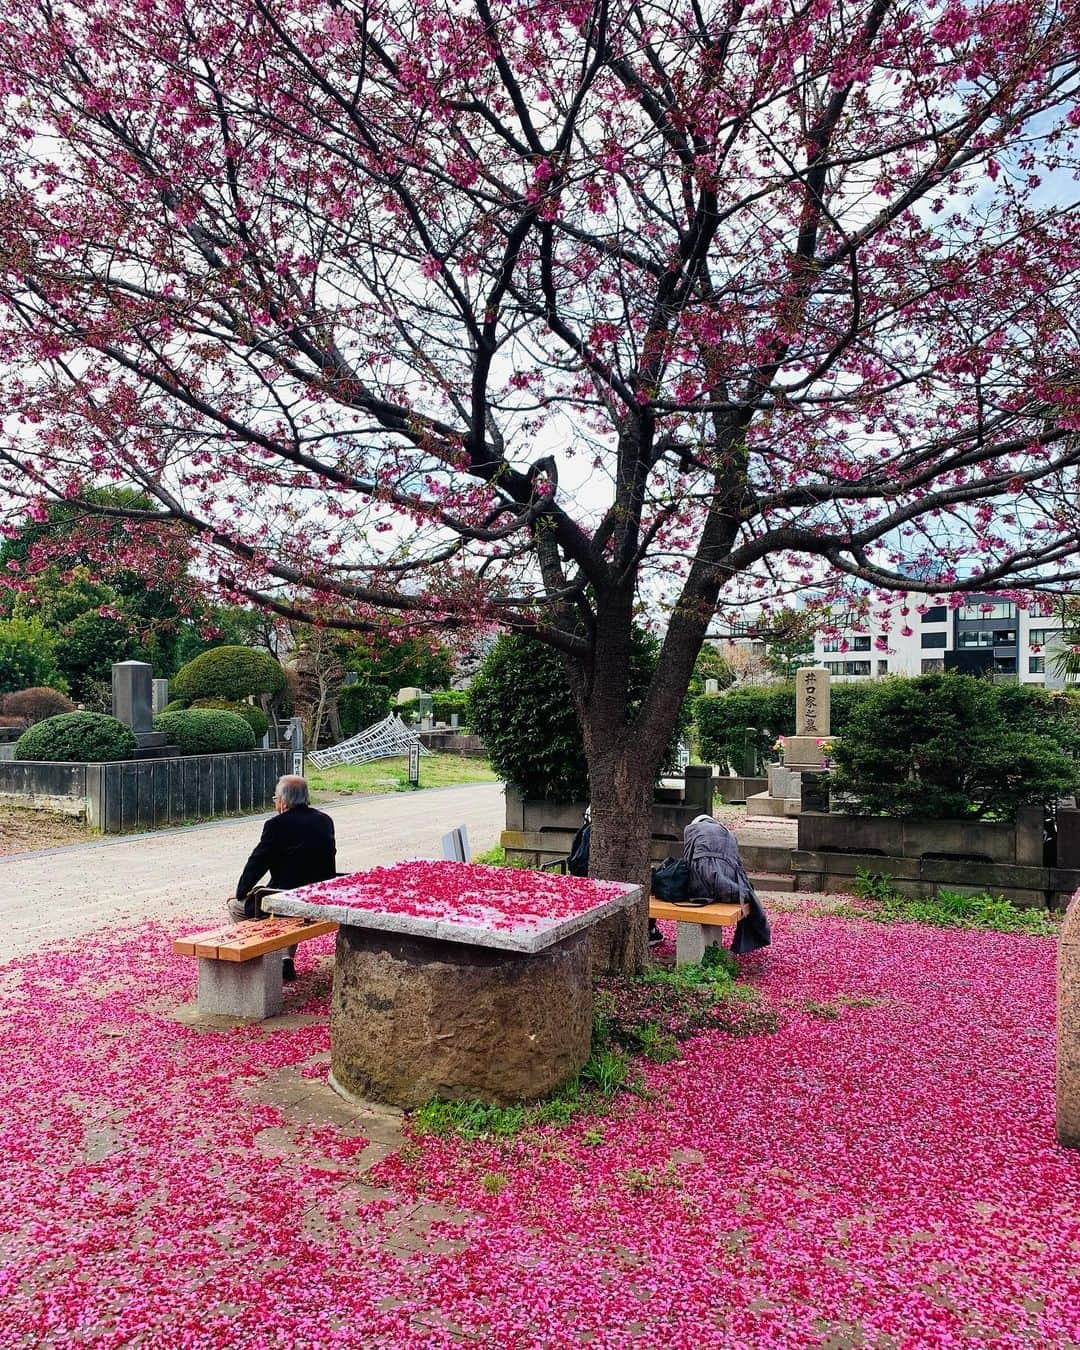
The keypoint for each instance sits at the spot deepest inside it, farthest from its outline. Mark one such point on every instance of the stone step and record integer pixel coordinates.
(772, 881)
(761, 804)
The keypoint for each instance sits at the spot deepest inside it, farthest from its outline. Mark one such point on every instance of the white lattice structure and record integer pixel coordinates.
(386, 738)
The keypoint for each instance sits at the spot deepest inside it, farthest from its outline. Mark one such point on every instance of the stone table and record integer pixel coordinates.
(456, 980)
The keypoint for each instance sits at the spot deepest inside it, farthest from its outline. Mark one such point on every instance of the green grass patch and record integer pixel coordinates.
(496, 857)
(948, 909)
(392, 775)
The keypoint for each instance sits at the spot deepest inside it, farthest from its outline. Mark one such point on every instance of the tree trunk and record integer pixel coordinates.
(621, 791)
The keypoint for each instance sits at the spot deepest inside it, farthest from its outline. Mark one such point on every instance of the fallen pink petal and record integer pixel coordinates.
(880, 1171)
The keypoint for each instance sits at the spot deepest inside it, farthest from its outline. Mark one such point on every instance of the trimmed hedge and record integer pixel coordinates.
(448, 702)
(206, 731)
(77, 737)
(361, 705)
(256, 719)
(722, 719)
(953, 747)
(230, 673)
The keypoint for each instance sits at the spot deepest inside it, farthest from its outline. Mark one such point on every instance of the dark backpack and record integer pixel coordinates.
(671, 880)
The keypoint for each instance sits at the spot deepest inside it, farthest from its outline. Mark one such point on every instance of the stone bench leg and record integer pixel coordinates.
(241, 988)
(691, 939)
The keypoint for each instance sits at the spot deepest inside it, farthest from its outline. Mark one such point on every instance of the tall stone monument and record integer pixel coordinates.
(812, 701)
(802, 753)
(133, 704)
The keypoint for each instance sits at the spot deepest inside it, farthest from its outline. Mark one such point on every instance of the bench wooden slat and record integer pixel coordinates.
(255, 937)
(715, 916)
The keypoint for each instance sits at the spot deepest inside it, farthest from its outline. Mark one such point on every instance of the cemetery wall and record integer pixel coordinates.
(147, 794)
(922, 857)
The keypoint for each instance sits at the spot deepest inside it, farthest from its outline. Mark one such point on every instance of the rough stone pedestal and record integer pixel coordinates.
(1068, 1030)
(415, 1018)
(241, 988)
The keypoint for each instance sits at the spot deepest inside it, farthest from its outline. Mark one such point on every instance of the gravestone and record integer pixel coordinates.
(159, 696)
(132, 695)
(802, 751)
(133, 704)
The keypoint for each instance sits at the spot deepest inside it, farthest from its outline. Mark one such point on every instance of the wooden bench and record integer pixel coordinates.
(240, 965)
(697, 928)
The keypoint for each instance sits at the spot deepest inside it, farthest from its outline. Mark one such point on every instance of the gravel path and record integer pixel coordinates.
(64, 892)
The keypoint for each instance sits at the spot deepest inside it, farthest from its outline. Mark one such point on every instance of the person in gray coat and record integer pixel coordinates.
(716, 870)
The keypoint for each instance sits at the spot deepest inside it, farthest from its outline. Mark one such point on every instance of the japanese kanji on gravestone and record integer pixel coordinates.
(802, 750)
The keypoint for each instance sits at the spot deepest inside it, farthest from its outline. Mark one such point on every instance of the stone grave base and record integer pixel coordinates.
(414, 1018)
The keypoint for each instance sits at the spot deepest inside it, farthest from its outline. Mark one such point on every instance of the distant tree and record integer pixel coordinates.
(27, 656)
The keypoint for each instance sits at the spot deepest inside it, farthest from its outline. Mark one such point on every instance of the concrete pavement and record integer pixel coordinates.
(185, 873)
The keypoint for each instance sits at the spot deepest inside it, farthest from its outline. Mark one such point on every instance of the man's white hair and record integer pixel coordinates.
(292, 790)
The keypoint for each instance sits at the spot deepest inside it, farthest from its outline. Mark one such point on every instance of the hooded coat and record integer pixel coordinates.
(716, 870)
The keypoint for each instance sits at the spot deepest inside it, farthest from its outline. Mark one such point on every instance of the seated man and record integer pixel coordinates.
(716, 871)
(297, 847)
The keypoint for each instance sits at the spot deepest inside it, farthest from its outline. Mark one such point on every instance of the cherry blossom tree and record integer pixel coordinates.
(541, 315)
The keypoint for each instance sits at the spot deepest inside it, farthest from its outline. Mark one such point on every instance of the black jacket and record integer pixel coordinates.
(297, 847)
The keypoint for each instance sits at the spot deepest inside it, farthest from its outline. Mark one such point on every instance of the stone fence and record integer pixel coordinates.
(922, 857)
(126, 795)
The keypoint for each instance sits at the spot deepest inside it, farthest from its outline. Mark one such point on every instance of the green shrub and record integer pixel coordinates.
(450, 701)
(230, 673)
(521, 706)
(27, 656)
(35, 705)
(254, 717)
(361, 705)
(77, 737)
(722, 722)
(206, 731)
(950, 909)
(949, 747)
(722, 719)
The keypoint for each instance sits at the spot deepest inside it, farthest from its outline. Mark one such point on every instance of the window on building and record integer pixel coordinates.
(1004, 637)
(973, 639)
(989, 609)
(831, 645)
(934, 639)
(1043, 607)
(883, 667)
(936, 614)
(848, 667)
(933, 665)
(1005, 665)
(860, 644)
(1036, 665)
(1039, 637)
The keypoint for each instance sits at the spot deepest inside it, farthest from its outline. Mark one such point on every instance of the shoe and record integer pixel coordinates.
(288, 970)
(656, 938)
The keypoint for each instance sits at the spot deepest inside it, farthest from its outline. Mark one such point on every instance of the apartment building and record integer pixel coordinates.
(916, 634)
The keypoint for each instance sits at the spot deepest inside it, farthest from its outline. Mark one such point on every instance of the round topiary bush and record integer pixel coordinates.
(77, 737)
(36, 704)
(206, 731)
(361, 705)
(254, 717)
(230, 673)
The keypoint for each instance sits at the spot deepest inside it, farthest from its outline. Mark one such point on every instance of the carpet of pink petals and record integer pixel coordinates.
(880, 1172)
(464, 893)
